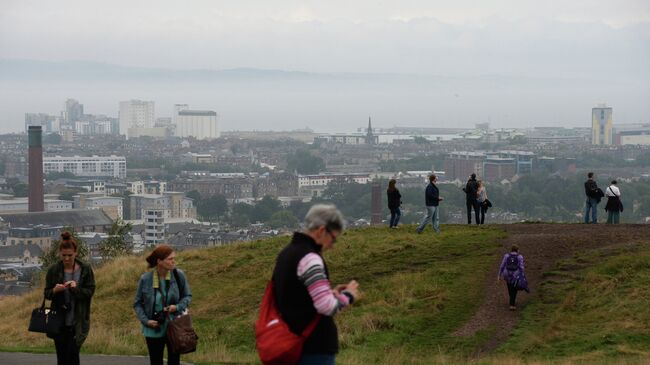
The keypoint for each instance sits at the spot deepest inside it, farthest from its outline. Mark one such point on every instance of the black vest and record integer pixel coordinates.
(294, 302)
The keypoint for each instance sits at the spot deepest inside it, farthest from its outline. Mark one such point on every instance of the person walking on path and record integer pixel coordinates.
(70, 285)
(471, 195)
(302, 286)
(162, 294)
(614, 206)
(394, 202)
(482, 200)
(512, 272)
(432, 201)
(593, 193)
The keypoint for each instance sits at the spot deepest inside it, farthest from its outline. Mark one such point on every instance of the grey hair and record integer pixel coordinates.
(325, 215)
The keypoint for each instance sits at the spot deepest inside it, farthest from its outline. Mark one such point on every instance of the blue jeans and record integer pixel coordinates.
(317, 359)
(395, 214)
(432, 213)
(591, 203)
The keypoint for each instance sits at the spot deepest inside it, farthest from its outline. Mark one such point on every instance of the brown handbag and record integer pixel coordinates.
(180, 333)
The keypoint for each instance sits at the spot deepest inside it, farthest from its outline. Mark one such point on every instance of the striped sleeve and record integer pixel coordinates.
(311, 272)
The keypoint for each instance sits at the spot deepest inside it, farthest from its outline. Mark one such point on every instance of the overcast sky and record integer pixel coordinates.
(597, 40)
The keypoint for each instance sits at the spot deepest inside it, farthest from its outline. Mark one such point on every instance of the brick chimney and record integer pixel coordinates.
(36, 201)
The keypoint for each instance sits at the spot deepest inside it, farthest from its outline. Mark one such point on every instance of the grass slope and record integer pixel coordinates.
(417, 290)
(592, 307)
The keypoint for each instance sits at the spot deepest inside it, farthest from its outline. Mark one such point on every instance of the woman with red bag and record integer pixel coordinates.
(303, 293)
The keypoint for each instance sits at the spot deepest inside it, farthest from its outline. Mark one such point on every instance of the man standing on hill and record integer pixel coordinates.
(593, 194)
(471, 194)
(432, 200)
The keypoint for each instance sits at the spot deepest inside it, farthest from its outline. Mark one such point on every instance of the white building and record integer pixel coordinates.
(136, 115)
(95, 166)
(200, 124)
(87, 128)
(111, 205)
(20, 205)
(325, 179)
(154, 227)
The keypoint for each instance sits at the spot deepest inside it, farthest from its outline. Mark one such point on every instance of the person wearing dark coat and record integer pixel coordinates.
(432, 201)
(70, 285)
(614, 206)
(471, 199)
(591, 191)
(394, 202)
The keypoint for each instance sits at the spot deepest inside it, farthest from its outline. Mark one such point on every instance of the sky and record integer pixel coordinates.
(602, 42)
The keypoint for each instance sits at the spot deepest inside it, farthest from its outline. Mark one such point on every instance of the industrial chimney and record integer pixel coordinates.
(36, 203)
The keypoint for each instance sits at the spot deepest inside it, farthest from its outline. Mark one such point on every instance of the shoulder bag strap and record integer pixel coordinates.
(181, 286)
(311, 327)
(610, 189)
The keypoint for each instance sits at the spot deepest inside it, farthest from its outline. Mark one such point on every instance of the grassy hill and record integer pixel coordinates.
(417, 290)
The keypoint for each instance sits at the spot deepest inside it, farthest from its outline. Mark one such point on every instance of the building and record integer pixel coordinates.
(91, 186)
(93, 127)
(94, 166)
(39, 235)
(50, 123)
(523, 160)
(171, 204)
(73, 111)
(349, 139)
(199, 124)
(154, 226)
(632, 134)
(460, 165)
(20, 205)
(78, 219)
(601, 125)
(232, 188)
(199, 158)
(498, 168)
(111, 205)
(135, 115)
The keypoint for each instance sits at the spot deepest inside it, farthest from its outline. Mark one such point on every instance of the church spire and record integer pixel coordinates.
(370, 139)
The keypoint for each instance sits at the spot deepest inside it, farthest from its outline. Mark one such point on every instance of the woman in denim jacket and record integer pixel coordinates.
(163, 293)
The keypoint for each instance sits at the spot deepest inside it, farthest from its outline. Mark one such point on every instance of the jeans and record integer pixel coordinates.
(317, 359)
(472, 203)
(591, 203)
(395, 214)
(434, 216)
(67, 351)
(156, 348)
(512, 293)
(613, 217)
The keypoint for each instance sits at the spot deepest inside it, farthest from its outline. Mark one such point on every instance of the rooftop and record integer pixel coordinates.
(74, 218)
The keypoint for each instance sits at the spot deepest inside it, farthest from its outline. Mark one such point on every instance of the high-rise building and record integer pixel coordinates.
(73, 111)
(601, 125)
(50, 123)
(136, 115)
(200, 124)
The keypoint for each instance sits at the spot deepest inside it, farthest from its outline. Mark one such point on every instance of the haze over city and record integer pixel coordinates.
(284, 65)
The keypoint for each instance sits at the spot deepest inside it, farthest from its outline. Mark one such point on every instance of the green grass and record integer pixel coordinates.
(594, 306)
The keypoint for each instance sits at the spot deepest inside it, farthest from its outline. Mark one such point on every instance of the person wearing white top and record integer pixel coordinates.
(614, 206)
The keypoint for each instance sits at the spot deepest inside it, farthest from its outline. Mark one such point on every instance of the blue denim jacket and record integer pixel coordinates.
(143, 303)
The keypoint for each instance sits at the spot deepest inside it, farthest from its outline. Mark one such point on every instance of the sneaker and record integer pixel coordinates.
(513, 308)
(418, 231)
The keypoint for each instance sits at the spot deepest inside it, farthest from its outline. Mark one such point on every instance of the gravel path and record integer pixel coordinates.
(542, 245)
(20, 358)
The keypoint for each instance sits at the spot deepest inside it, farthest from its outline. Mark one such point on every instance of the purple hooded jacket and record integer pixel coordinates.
(518, 276)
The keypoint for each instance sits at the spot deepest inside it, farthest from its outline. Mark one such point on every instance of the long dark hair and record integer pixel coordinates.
(391, 185)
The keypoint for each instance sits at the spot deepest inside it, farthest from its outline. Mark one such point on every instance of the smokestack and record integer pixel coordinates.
(36, 203)
(375, 204)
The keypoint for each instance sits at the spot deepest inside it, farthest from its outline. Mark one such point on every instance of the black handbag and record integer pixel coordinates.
(38, 321)
(46, 320)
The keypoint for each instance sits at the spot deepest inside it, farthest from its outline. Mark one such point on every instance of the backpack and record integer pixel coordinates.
(276, 343)
(512, 262)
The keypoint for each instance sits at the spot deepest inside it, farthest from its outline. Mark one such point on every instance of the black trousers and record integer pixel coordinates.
(472, 204)
(484, 209)
(512, 292)
(156, 348)
(67, 351)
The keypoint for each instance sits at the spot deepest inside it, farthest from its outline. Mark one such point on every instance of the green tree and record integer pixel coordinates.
(59, 175)
(305, 163)
(212, 207)
(115, 245)
(21, 190)
(283, 219)
(264, 209)
(68, 194)
(51, 255)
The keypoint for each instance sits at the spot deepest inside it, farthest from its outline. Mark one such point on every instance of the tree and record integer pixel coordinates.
(21, 190)
(115, 245)
(51, 255)
(68, 194)
(214, 206)
(283, 219)
(305, 163)
(59, 175)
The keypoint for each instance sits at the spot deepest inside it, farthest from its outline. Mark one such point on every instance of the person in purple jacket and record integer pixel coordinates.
(512, 272)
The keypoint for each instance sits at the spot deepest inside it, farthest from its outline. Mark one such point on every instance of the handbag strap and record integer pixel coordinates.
(610, 189)
(311, 327)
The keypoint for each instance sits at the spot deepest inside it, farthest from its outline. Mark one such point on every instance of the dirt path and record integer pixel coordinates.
(542, 246)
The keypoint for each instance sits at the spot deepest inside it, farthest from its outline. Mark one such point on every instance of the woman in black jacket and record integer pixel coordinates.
(394, 201)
